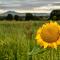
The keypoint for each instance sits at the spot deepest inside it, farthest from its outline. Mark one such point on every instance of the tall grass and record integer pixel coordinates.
(18, 38)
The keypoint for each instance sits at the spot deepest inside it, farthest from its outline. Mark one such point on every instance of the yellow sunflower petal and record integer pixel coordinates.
(38, 36)
(39, 31)
(48, 35)
(45, 44)
(58, 42)
(54, 45)
(39, 42)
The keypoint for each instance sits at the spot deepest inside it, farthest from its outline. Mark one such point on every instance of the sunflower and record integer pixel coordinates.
(48, 35)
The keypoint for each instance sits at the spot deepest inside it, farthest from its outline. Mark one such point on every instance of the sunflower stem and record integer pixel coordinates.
(51, 54)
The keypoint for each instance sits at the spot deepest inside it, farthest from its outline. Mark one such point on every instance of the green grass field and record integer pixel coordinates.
(17, 39)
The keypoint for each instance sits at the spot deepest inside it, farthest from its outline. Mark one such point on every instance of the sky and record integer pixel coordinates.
(24, 4)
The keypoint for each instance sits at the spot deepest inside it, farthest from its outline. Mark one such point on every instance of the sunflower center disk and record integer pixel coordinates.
(50, 33)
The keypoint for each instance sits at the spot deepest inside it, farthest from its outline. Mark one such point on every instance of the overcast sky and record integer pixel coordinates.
(18, 4)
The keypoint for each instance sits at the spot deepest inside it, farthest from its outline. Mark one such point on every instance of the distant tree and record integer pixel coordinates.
(54, 17)
(9, 17)
(29, 16)
(55, 14)
(16, 17)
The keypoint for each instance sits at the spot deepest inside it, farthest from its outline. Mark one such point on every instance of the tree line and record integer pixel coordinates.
(27, 17)
(54, 15)
(10, 17)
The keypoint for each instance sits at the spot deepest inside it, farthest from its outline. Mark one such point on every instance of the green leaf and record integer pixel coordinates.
(37, 50)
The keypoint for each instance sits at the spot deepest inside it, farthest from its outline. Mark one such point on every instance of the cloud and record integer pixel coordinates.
(24, 4)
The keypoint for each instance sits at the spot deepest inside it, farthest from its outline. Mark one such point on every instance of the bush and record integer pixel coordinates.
(16, 17)
(29, 16)
(9, 17)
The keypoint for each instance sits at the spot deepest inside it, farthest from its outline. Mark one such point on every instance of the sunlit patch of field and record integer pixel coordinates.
(18, 38)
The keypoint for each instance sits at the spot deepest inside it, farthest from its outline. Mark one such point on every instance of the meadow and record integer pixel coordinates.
(17, 39)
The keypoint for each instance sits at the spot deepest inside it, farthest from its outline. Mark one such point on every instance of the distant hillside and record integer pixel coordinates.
(13, 13)
(41, 14)
(23, 14)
